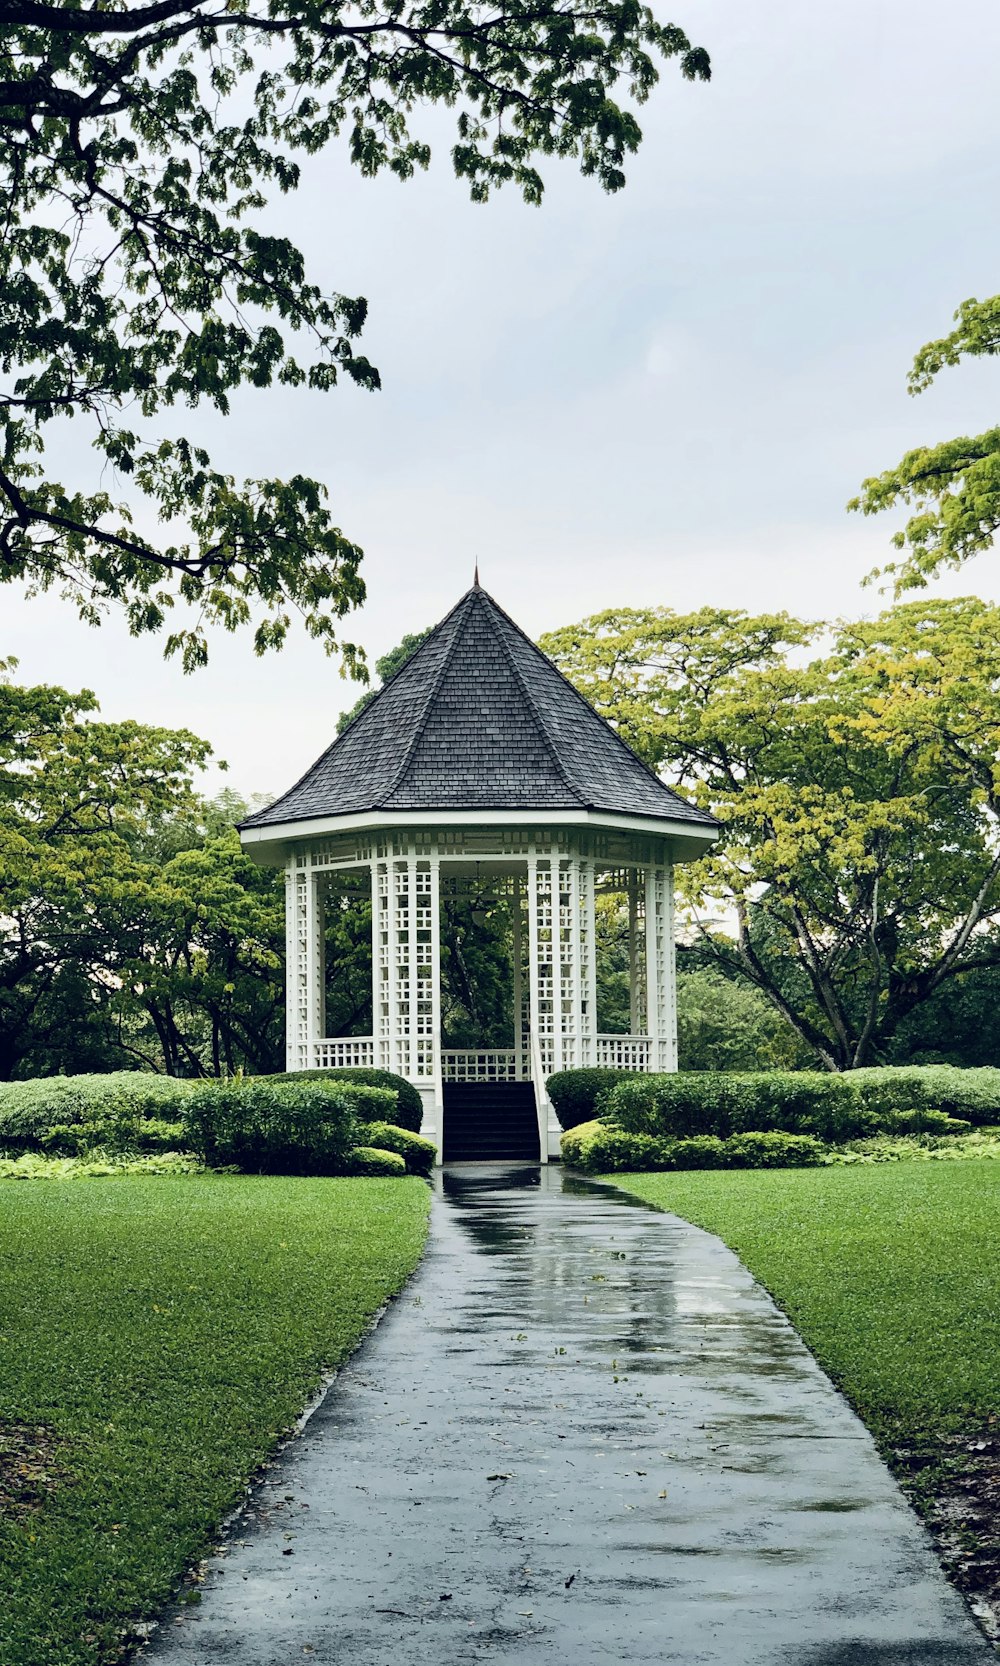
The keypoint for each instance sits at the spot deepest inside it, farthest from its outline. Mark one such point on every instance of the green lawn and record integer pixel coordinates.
(891, 1273)
(156, 1338)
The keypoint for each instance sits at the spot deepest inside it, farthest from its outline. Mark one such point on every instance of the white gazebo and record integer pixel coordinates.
(478, 767)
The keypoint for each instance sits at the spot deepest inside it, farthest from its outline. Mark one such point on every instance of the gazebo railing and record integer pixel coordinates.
(343, 1052)
(484, 1064)
(624, 1052)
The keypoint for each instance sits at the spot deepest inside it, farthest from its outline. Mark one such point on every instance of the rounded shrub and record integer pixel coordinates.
(773, 1151)
(598, 1148)
(575, 1093)
(701, 1151)
(367, 1159)
(417, 1153)
(408, 1111)
(270, 1127)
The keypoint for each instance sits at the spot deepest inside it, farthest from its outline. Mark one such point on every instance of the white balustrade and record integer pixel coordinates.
(483, 1064)
(343, 1052)
(624, 1052)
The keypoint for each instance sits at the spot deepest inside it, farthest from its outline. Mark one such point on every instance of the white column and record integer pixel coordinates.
(668, 976)
(652, 980)
(378, 1058)
(435, 909)
(315, 958)
(588, 971)
(637, 1018)
(517, 952)
(296, 1010)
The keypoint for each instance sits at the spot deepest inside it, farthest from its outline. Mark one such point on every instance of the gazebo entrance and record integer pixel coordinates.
(480, 811)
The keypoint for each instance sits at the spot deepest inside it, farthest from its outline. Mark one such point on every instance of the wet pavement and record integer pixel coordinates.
(582, 1434)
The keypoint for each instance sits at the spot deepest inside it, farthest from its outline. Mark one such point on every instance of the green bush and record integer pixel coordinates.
(726, 1103)
(417, 1153)
(701, 1151)
(970, 1094)
(773, 1151)
(408, 1108)
(113, 1135)
(272, 1126)
(119, 1103)
(367, 1159)
(600, 1148)
(920, 1121)
(574, 1093)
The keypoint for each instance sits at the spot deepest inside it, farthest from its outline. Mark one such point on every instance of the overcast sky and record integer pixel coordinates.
(662, 397)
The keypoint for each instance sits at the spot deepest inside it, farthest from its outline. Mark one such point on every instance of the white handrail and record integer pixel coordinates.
(542, 1103)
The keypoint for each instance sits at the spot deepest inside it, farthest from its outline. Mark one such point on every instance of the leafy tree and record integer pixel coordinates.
(385, 668)
(76, 799)
(859, 792)
(953, 487)
(139, 147)
(724, 1023)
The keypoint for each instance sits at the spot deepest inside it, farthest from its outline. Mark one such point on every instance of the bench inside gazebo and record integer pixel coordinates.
(478, 778)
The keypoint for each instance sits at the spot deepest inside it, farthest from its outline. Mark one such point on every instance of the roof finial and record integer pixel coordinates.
(475, 578)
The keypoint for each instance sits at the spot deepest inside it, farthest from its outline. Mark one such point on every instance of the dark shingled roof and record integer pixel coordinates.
(478, 719)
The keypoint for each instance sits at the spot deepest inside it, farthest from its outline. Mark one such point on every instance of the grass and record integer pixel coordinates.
(157, 1337)
(889, 1272)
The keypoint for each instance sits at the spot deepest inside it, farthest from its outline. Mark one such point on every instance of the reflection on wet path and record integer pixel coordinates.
(581, 1434)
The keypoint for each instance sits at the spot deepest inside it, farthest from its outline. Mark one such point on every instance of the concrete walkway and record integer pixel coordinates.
(582, 1435)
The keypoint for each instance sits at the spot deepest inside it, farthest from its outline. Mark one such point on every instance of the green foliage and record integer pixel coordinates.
(834, 1108)
(418, 1154)
(98, 1165)
(116, 1110)
(385, 668)
(858, 792)
(408, 1110)
(134, 929)
(266, 1127)
(368, 1160)
(575, 1093)
(113, 1134)
(971, 1094)
(773, 1150)
(602, 1148)
(951, 1147)
(141, 269)
(724, 1023)
(169, 1332)
(954, 486)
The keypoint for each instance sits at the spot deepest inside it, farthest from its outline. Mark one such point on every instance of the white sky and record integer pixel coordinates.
(662, 397)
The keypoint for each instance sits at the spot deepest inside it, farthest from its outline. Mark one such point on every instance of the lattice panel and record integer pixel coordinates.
(424, 928)
(588, 966)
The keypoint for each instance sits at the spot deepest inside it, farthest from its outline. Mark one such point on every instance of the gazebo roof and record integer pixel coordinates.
(478, 719)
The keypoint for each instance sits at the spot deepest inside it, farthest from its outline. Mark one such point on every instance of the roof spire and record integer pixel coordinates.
(475, 578)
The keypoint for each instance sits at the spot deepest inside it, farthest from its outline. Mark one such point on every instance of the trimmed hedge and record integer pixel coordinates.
(418, 1154)
(831, 1108)
(113, 1135)
(297, 1127)
(111, 1110)
(367, 1159)
(601, 1148)
(574, 1093)
(408, 1111)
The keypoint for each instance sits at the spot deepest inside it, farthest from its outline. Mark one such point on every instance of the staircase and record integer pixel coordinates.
(490, 1122)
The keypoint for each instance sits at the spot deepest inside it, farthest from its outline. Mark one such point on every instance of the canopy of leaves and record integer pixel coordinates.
(953, 487)
(140, 144)
(859, 793)
(134, 930)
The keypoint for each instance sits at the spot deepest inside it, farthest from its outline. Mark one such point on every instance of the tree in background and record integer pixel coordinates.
(134, 929)
(385, 668)
(953, 487)
(859, 793)
(140, 146)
